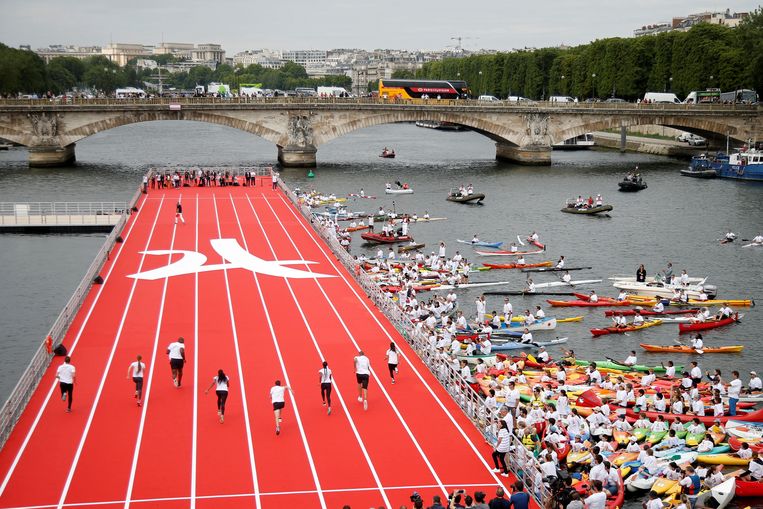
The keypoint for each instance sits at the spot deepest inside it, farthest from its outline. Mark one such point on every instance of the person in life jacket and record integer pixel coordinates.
(691, 482)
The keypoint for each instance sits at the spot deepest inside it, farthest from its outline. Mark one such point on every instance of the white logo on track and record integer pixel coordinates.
(193, 262)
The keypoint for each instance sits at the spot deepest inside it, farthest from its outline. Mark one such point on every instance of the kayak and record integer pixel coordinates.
(517, 265)
(398, 191)
(584, 303)
(623, 330)
(499, 252)
(384, 239)
(357, 228)
(481, 243)
(543, 324)
(651, 300)
(688, 349)
(515, 345)
(552, 284)
(708, 420)
(710, 324)
(473, 285)
(554, 269)
(605, 364)
(722, 459)
(646, 312)
(723, 494)
(749, 488)
(755, 444)
(523, 292)
(409, 247)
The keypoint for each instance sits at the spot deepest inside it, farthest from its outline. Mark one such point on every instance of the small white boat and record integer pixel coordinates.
(398, 191)
(723, 494)
(544, 324)
(651, 279)
(657, 289)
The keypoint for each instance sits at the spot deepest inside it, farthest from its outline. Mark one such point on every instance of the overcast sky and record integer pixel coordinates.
(327, 24)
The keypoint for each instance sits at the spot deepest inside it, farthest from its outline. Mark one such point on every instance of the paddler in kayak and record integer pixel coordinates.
(697, 343)
(593, 297)
(560, 263)
(729, 237)
(659, 307)
(622, 296)
(513, 247)
(530, 286)
(475, 239)
(527, 336)
(638, 319)
(724, 312)
(757, 240)
(566, 277)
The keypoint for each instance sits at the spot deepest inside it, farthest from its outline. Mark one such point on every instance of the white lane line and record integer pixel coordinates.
(106, 369)
(244, 400)
(338, 393)
(357, 347)
(149, 382)
(286, 379)
(195, 432)
(249, 495)
(37, 418)
(412, 365)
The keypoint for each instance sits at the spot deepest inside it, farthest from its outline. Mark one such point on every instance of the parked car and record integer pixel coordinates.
(615, 100)
(697, 141)
(684, 137)
(488, 98)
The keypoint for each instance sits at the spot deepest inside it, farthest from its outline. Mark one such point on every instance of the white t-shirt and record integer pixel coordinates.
(362, 365)
(174, 350)
(134, 368)
(221, 385)
(277, 393)
(65, 373)
(325, 375)
(596, 501)
(735, 387)
(391, 356)
(655, 503)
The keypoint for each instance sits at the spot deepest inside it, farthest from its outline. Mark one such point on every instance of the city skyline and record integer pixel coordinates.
(239, 26)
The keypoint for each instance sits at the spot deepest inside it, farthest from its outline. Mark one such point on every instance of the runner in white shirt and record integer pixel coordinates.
(325, 377)
(220, 382)
(135, 371)
(176, 352)
(277, 397)
(66, 373)
(392, 360)
(362, 374)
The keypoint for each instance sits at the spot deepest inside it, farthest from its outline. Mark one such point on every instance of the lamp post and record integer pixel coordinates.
(480, 83)
(593, 86)
(563, 91)
(670, 81)
(710, 85)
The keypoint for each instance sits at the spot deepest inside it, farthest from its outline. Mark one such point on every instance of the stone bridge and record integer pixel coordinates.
(298, 126)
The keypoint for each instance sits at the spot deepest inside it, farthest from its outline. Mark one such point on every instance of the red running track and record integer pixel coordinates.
(173, 452)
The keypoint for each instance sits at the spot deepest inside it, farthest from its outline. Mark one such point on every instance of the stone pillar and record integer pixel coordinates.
(292, 156)
(623, 138)
(531, 155)
(46, 156)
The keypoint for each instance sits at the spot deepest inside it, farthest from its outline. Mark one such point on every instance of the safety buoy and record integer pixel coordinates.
(49, 345)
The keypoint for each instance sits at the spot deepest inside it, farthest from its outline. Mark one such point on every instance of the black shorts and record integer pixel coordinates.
(177, 363)
(362, 380)
(138, 382)
(278, 405)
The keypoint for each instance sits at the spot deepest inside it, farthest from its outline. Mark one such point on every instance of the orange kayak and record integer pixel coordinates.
(688, 349)
(517, 265)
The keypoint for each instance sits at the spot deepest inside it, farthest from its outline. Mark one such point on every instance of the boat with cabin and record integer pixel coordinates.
(582, 142)
(741, 165)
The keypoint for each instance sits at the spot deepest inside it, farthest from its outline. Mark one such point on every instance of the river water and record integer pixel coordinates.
(676, 219)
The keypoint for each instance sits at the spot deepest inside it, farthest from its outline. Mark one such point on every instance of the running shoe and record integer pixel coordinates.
(496, 470)
(139, 403)
(222, 418)
(63, 397)
(329, 411)
(505, 475)
(365, 404)
(175, 381)
(396, 370)
(136, 394)
(68, 410)
(278, 430)
(393, 381)
(324, 403)
(360, 399)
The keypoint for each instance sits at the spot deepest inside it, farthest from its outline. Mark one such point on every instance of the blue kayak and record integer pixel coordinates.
(481, 243)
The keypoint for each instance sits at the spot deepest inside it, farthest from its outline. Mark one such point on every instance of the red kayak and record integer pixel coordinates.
(749, 489)
(645, 312)
(384, 239)
(583, 303)
(623, 330)
(756, 416)
(736, 444)
(711, 324)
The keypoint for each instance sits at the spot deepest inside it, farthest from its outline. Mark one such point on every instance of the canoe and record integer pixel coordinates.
(583, 303)
(710, 324)
(477, 197)
(554, 269)
(398, 191)
(500, 252)
(651, 300)
(623, 330)
(480, 243)
(630, 186)
(588, 211)
(377, 238)
(517, 265)
(688, 349)
(723, 494)
(749, 489)
(645, 312)
(722, 459)
(409, 247)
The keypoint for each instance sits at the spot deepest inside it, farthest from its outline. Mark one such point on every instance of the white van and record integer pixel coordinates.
(562, 99)
(661, 98)
(488, 98)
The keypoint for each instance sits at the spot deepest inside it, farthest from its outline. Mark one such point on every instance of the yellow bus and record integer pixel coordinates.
(423, 89)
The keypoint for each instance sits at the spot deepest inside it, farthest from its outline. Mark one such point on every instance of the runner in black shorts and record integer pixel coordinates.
(176, 352)
(277, 396)
(324, 375)
(362, 374)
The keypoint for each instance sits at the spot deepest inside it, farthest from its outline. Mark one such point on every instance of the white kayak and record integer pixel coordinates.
(753, 244)
(471, 285)
(553, 284)
(420, 220)
(723, 494)
(398, 191)
(544, 324)
(649, 279)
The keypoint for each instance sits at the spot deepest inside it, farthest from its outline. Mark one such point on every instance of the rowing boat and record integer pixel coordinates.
(554, 269)
(710, 324)
(517, 265)
(516, 345)
(472, 285)
(480, 243)
(523, 292)
(623, 330)
(542, 324)
(688, 349)
(579, 282)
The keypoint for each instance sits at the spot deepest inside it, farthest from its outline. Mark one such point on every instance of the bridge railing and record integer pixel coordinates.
(30, 378)
(485, 419)
(179, 102)
(260, 171)
(28, 213)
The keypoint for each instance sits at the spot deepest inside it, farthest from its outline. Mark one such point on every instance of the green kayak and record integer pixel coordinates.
(621, 367)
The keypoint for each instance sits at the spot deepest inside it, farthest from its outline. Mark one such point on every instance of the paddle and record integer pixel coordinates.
(682, 344)
(520, 241)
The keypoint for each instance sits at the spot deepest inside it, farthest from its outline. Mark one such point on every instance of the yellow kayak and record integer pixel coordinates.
(519, 319)
(648, 299)
(664, 486)
(570, 319)
(722, 459)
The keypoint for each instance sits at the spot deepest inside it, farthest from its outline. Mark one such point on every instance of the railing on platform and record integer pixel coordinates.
(521, 461)
(22, 392)
(236, 171)
(60, 213)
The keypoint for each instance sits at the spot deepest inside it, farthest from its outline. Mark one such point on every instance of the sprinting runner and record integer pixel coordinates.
(392, 360)
(362, 374)
(65, 374)
(179, 213)
(221, 381)
(277, 397)
(324, 375)
(135, 371)
(176, 352)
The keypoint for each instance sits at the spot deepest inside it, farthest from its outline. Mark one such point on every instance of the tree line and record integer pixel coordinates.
(24, 72)
(706, 56)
